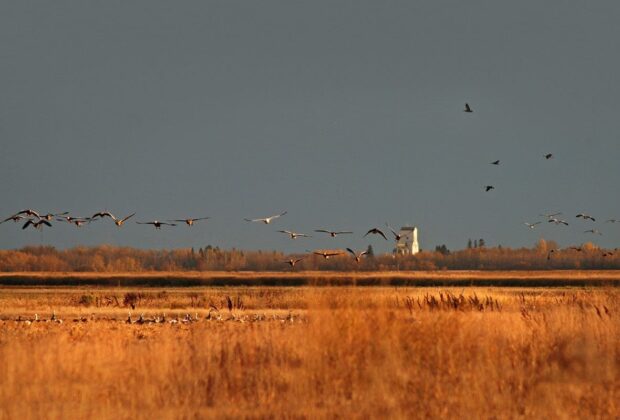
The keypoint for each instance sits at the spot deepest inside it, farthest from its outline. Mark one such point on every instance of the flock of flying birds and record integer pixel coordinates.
(553, 217)
(34, 219)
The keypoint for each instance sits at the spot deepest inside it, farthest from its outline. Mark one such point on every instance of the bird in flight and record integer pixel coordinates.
(295, 235)
(586, 217)
(550, 215)
(557, 221)
(593, 231)
(38, 224)
(190, 221)
(16, 218)
(532, 225)
(77, 221)
(102, 214)
(375, 231)
(489, 188)
(548, 156)
(397, 237)
(358, 257)
(332, 233)
(467, 108)
(612, 221)
(266, 220)
(326, 254)
(156, 223)
(120, 222)
(50, 216)
(495, 162)
(293, 261)
(29, 213)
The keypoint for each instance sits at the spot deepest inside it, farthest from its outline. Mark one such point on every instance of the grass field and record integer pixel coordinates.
(310, 352)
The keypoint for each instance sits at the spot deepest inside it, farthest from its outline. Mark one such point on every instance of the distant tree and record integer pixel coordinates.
(442, 249)
(469, 244)
(481, 243)
(475, 243)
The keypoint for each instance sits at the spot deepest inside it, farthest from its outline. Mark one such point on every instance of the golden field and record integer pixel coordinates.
(303, 352)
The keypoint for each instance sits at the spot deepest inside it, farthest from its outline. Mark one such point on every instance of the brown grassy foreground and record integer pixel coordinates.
(313, 352)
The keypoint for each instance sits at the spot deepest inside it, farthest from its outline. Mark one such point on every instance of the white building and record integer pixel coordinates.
(408, 242)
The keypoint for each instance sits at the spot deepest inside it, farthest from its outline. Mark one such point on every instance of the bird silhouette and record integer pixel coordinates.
(489, 188)
(266, 220)
(38, 224)
(467, 108)
(189, 221)
(358, 257)
(156, 223)
(333, 234)
(496, 162)
(376, 231)
(548, 156)
(295, 235)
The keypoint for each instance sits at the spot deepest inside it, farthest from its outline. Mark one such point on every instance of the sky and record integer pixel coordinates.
(347, 114)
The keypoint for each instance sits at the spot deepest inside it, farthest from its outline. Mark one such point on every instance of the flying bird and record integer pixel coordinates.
(102, 214)
(38, 224)
(190, 221)
(326, 254)
(292, 261)
(332, 233)
(557, 221)
(586, 217)
(495, 162)
(156, 223)
(266, 220)
(593, 231)
(120, 222)
(50, 216)
(467, 108)
(532, 225)
(612, 221)
(375, 231)
(397, 237)
(295, 235)
(15, 218)
(548, 156)
(550, 215)
(358, 257)
(489, 188)
(29, 213)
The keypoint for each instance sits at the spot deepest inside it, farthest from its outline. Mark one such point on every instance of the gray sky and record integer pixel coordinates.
(347, 114)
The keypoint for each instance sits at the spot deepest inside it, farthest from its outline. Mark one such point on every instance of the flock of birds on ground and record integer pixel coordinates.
(36, 220)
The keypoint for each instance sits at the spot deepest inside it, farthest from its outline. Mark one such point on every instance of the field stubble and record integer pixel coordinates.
(312, 352)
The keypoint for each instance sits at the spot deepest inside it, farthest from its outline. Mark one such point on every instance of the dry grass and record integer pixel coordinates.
(315, 352)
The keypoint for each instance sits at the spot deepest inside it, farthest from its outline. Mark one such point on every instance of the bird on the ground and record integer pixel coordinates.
(295, 235)
(120, 222)
(293, 261)
(586, 217)
(189, 221)
(38, 224)
(358, 257)
(532, 225)
(467, 108)
(397, 236)
(593, 231)
(156, 223)
(326, 254)
(489, 188)
(332, 233)
(266, 220)
(557, 221)
(495, 162)
(548, 156)
(376, 231)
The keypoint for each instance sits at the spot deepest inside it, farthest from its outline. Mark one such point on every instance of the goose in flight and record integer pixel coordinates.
(495, 162)
(557, 221)
(397, 237)
(102, 214)
(295, 235)
(266, 220)
(613, 221)
(326, 254)
(293, 261)
(586, 217)
(15, 218)
(189, 221)
(29, 213)
(77, 221)
(532, 225)
(548, 156)
(375, 231)
(120, 222)
(50, 216)
(358, 257)
(332, 233)
(156, 223)
(550, 215)
(467, 108)
(593, 231)
(38, 224)
(489, 188)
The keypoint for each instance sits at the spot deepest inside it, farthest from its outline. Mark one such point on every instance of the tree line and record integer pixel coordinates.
(106, 258)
